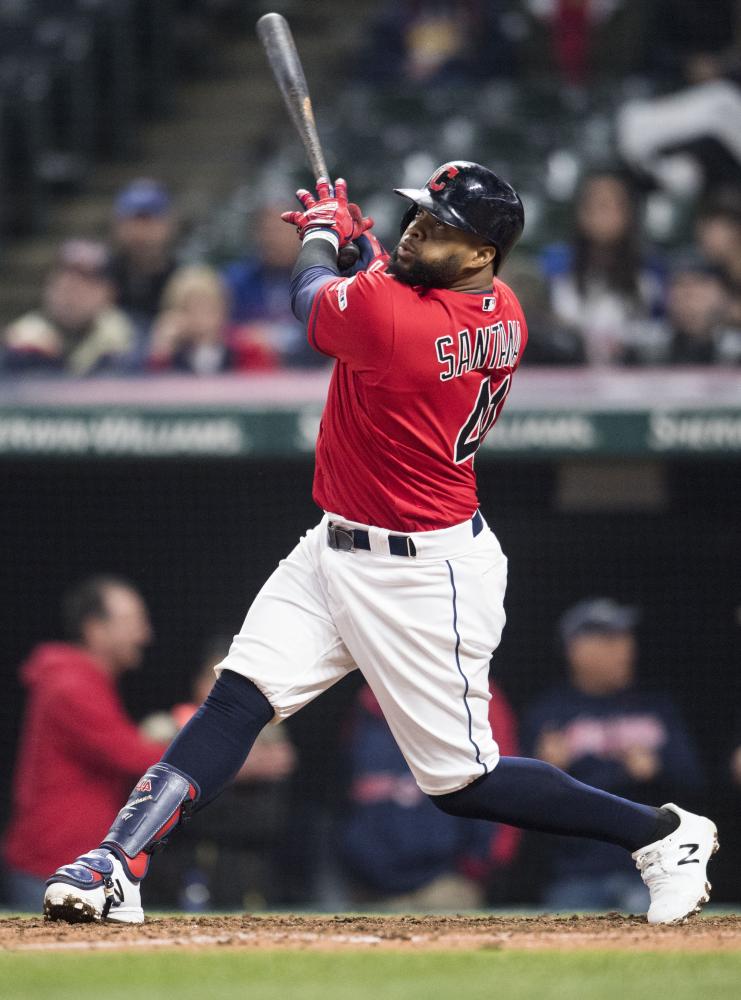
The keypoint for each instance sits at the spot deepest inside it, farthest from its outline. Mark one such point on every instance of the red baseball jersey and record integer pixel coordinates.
(421, 377)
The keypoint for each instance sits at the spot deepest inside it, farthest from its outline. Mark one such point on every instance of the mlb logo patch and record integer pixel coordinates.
(489, 304)
(342, 292)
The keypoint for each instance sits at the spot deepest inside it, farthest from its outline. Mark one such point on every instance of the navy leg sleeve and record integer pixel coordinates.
(212, 747)
(537, 796)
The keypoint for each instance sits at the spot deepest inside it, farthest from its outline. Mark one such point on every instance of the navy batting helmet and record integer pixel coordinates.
(472, 198)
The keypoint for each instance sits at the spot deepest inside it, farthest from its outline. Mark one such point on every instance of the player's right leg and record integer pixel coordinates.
(287, 653)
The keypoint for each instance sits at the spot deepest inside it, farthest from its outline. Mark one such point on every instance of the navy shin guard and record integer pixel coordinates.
(162, 799)
(198, 764)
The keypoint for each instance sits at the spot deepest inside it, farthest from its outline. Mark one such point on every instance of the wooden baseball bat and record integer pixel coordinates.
(277, 40)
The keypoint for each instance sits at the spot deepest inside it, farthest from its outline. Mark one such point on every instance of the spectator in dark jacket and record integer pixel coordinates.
(399, 850)
(79, 752)
(698, 315)
(144, 233)
(605, 731)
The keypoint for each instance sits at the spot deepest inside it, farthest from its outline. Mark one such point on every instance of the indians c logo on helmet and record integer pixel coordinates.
(446, 173)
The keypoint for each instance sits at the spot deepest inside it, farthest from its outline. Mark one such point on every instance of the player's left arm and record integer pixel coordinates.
(317, 265)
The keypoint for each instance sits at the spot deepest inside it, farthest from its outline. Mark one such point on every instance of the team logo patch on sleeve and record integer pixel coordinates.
(489, 303)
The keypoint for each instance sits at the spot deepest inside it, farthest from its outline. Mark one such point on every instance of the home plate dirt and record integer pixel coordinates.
(400, 933)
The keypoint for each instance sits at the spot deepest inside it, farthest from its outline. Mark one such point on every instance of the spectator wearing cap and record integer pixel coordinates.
(144, 234)
(698, 328)
(604, 730)
(77, 329)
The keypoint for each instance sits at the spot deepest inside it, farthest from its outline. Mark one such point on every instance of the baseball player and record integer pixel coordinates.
(402, 578)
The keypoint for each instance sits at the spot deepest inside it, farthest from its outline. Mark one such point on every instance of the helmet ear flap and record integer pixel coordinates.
(407, 218)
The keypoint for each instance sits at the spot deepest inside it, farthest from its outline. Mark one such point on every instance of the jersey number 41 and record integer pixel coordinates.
(481, 418)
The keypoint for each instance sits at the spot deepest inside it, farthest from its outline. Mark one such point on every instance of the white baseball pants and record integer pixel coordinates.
(420, 629)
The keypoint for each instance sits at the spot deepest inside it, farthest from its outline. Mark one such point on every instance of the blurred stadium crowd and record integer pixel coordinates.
(618, 122)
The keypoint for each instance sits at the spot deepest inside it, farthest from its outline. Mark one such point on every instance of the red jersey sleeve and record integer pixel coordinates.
(352, 319)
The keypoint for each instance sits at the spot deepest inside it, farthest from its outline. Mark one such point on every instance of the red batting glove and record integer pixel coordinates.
(332, 211)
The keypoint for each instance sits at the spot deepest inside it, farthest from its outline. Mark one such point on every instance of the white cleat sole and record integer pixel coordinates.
(72, 909)
(69, 908)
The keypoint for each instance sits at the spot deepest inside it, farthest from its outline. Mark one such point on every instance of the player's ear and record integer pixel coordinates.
(483, 255)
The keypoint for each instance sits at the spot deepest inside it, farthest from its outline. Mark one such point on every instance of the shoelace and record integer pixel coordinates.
(646, 862)
(108, 890)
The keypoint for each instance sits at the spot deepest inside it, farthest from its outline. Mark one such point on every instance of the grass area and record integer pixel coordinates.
(479, 975)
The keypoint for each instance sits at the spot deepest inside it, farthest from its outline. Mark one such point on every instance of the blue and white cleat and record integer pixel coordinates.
(94, 887)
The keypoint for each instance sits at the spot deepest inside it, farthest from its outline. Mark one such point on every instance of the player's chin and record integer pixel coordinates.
(428, 274)
(396, 265)
(409, 272)
(402, 272)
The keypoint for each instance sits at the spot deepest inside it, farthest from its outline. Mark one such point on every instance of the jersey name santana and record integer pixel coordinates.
(420, 378)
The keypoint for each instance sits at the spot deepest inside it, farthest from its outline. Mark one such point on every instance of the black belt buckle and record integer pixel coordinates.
(340, 538)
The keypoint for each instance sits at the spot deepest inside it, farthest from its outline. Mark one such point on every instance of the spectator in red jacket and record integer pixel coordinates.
(79, 751)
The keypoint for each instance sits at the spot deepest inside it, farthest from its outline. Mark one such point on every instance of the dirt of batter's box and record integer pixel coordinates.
(612, 931)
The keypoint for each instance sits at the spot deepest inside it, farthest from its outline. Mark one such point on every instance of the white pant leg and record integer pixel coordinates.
(422, 632)
(289, 646)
